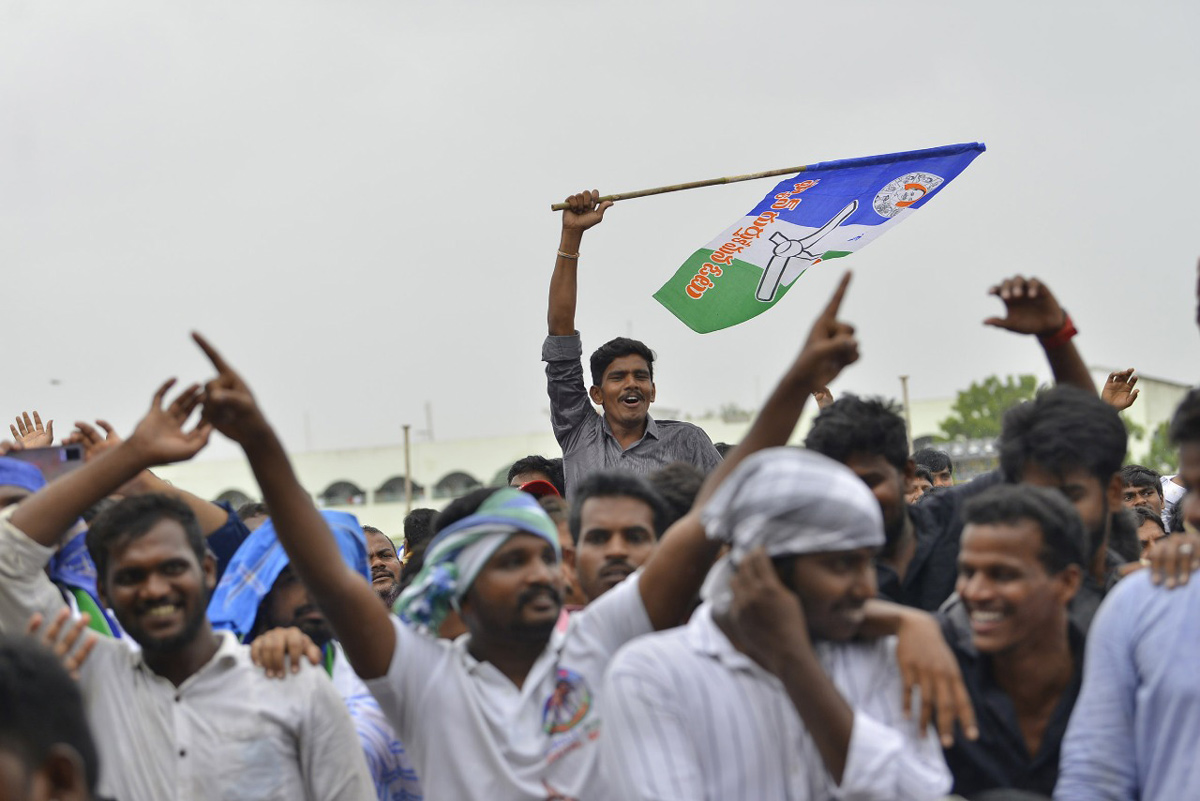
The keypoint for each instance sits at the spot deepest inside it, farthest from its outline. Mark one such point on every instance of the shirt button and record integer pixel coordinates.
(183, 752)
(178, 698)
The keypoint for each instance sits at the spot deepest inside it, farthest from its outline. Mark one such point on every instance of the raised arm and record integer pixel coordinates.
(1030, 308)
(584, 211)
(672, 577)
(352, 607)
(158, 439)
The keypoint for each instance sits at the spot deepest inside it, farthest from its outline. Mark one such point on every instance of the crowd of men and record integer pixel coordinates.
(650, 616)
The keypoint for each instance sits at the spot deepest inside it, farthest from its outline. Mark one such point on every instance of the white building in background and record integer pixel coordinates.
(369, 482)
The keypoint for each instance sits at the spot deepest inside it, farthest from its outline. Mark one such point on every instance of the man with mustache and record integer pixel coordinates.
(616, 519)
(510, 709)
(385, 565)
(623, 436)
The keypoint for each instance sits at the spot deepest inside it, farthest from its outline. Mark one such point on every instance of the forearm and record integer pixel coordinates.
(358, 617)
(300, 528)
(1068, 368)
(210, 516)
(884, 618)
(46, 514)
(826, 715)
(772, 427)
(560, 318)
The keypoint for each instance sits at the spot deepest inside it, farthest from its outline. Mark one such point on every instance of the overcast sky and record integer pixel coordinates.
(351, 198)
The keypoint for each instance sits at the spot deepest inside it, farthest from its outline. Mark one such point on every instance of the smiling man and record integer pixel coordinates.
(1020, 565)
(616, 520)
(186, 715)
(623, 435)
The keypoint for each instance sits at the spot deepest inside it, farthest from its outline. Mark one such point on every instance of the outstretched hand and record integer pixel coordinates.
(1030, 307)
(160, 437)
(830, 346)
(584, 210)
(31, 433)
(229, 406)
(1118, 391)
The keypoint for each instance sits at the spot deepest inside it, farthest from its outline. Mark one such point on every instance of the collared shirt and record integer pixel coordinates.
(472, 733)
(1000, 757)
(587, 439)
(1137, 720)
(689, 717)
(226, 732)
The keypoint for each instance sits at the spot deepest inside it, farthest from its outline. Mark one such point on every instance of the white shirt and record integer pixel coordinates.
(472, 733)
(227, 732)
(689, 717)
(1172, 495)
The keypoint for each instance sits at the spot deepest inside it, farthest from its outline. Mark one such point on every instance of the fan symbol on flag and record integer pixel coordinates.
(800, 249)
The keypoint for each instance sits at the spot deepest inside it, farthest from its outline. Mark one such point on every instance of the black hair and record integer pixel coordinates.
(614, 349)
(923, 472)
(418, 531)
(1175, 519)
(615, 484)
(1134, 475)
(1145, 515)
(43, 707)
(853, 425)
(1123, 535)
(723, 448)
(133, 518)
(677, 484)
(372, 530)
(934, 460)
(1063, 429)
(1063, 539)
(551, 468)
(1185, 423)
(252, 509)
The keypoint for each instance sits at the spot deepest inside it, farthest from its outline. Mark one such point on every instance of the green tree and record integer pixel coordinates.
(1162, 455)
(979, 408)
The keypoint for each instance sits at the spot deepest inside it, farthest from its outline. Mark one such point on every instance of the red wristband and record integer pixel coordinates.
(1060, 337)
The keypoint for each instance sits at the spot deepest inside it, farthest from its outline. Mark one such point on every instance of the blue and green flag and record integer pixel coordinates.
(827, 211)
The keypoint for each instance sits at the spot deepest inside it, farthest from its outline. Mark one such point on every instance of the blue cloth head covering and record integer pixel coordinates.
(459, 551)
(16, 473)
(259, 561)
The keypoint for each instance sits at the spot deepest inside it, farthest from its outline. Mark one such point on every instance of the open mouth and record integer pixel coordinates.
(161, 611)
(983, 620)
(631, 400)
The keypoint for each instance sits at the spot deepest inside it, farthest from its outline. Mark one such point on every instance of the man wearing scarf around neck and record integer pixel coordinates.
(508, 710)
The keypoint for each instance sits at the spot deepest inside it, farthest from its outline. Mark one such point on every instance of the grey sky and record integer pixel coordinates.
(351, 198)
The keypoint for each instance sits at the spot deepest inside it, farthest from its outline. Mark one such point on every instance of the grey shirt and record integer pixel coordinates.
(587, 440)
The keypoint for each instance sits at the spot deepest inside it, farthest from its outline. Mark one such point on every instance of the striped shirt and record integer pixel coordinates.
(688, 716)
(586, 438)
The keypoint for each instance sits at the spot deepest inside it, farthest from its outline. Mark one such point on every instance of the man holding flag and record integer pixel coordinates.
(624, 436)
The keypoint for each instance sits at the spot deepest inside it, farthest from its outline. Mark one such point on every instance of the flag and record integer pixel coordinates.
(827, 211)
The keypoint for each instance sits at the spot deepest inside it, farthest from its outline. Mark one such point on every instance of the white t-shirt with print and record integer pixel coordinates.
(472, 733)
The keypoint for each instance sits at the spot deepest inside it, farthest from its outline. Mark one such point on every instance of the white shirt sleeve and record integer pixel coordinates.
(887, 758)
(647, 749)
(616, 617)
(24, 586)
(331, 758)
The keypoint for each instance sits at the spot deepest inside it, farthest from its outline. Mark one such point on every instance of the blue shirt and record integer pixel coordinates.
(1136, 726)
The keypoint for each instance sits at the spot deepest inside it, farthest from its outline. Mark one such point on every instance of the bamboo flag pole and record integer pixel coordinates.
(658, 190)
